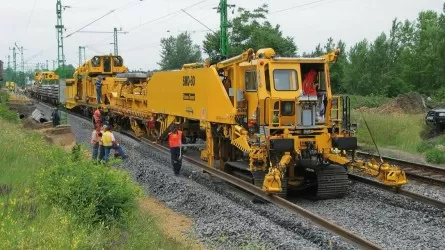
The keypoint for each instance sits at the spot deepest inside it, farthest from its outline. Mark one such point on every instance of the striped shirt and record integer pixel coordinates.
(98, 83)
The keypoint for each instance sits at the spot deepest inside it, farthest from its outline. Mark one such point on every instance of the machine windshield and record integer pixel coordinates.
(285, 79)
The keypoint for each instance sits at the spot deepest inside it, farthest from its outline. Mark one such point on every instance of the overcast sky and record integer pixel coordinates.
(30, 23)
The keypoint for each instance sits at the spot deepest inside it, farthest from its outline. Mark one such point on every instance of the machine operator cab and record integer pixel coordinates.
(284, 93)
(105, 65)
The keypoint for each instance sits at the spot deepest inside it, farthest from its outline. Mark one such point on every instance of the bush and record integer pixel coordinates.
(94, 193)
(7, 114)
(435, 155)
(425, 146)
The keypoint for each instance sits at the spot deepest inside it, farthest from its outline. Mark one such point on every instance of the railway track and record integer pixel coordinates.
(283, 203)
(421, 172)
(292, 207)
(401, 191)
(347, 235)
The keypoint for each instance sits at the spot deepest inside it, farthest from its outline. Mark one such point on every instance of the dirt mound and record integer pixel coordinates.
(25, 109)
(66, 141)
(60, 135)
(409, 103)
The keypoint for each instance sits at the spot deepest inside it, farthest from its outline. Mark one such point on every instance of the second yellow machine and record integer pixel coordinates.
(270, 120)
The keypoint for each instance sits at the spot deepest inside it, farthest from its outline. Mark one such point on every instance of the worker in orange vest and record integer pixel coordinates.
(175, 140)
(97, 117)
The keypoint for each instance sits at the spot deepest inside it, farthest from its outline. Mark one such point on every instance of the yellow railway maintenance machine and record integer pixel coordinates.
(81, 90)
(270, 120)
(45, 77)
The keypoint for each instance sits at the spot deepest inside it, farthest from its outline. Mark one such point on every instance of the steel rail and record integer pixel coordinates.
(283, 203)
(423, 172)
(347, 235)
(411, 195)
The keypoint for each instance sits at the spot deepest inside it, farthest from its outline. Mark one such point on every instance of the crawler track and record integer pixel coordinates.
(421, 172)
(347, 235)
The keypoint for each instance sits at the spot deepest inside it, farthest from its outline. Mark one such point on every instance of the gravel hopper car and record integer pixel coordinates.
(270, 120)
(46, 87)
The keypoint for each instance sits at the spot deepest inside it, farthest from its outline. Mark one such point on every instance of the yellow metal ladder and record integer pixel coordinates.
(336, 114)
(274, 114)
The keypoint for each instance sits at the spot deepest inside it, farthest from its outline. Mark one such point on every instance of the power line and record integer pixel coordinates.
(167, 15)
(298, 6)
(198, 21)
(97, 19)
(30, 16)
(128, 5)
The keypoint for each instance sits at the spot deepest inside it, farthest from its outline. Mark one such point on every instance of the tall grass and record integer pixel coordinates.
(399, 131)
(370, 101)
(47, 201)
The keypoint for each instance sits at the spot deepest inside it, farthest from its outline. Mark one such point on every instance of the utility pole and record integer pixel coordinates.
(116, 50)
(54, 64)
(14, 62)
(9, 61)
(60, 27)
(81, 55)
(115, 32)
(224, 27)
(47, 66)
(22, 62)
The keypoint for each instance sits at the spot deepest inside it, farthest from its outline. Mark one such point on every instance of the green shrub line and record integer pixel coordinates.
(95, 193)
(5, 113)
(53, 199)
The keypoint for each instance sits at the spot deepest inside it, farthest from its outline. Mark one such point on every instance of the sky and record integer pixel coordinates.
(31, 24)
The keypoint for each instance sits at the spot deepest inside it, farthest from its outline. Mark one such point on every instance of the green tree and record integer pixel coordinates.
(68, 71)
(250, 29)
(177, 51)
(426, 66)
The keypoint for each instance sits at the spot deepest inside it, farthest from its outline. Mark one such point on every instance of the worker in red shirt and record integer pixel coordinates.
(97, 117)
(175, 140)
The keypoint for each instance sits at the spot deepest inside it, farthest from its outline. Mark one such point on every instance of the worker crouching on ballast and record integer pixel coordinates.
(175, 140)
(109, 142)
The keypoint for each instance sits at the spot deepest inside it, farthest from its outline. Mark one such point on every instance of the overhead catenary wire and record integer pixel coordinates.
(198, 21)
(128, 5)
(167, 15)
(298, 6)
(30, 15)
(97, 19)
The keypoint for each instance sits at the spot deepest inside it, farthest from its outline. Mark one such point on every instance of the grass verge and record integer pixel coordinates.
(404, 132)
(370, 101)
(47, 201)
(399, 131)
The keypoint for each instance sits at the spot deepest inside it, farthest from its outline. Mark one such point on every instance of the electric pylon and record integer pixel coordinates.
(60, 27)
(224, 27)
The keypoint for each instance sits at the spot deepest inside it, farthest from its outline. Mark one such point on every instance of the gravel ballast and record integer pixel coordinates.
(225, 219)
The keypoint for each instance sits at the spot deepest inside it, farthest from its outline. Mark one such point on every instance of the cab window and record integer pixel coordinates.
(118, 62)
(250, 80)
(95, 61)
(285, 79)
(267, 77)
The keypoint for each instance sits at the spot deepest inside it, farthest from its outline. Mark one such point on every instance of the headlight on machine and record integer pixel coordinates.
(287, 108)
(441, 114)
